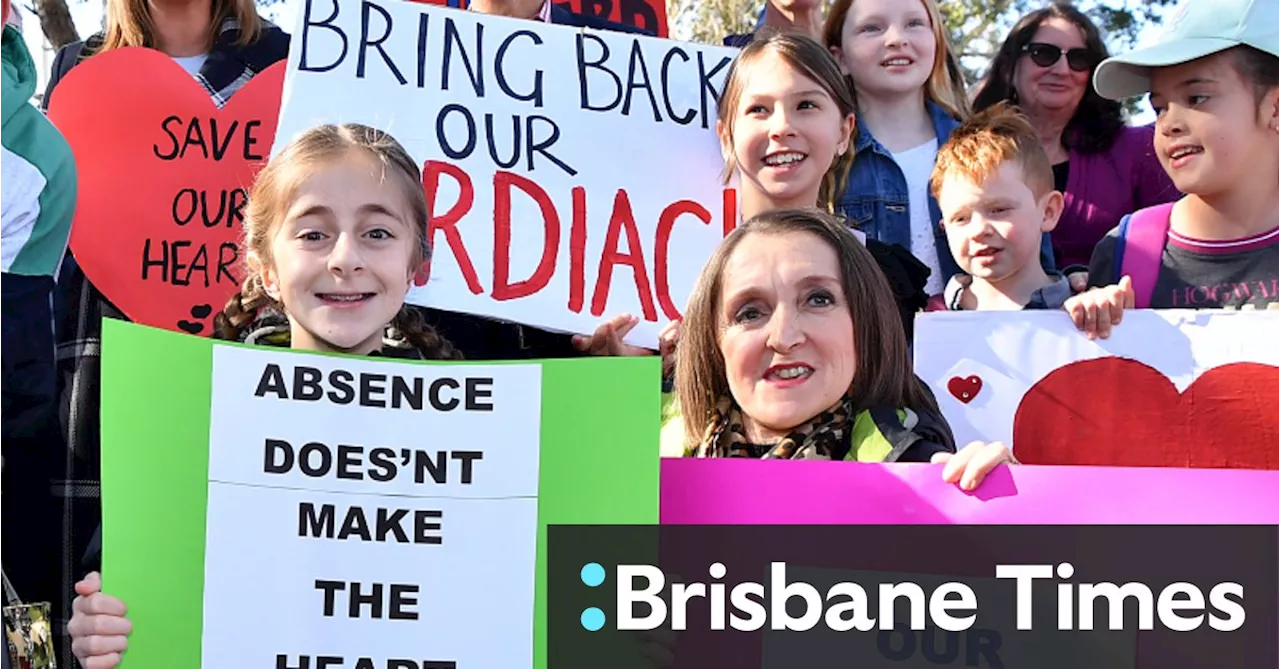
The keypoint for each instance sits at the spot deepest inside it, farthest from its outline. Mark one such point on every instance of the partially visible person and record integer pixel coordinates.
(785, 125)
(1213, 79)
(549, 12)
(40, 189)
(994, 184)
(789, 352)
(335, 231)
(910, 94)
(222, 44)
(1103, 168)
(783, 16)
(39, 199)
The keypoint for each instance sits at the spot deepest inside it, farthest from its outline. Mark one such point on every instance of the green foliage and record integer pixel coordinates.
(977, 27)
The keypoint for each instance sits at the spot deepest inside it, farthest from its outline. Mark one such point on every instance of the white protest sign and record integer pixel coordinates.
(428, 537)
(278, 508)
(1177, 388)
(571, 175)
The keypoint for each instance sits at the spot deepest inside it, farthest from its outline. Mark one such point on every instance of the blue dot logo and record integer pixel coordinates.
(592, 619)
(592, 574)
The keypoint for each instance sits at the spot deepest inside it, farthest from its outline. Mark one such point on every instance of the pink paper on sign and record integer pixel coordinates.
(765, 492)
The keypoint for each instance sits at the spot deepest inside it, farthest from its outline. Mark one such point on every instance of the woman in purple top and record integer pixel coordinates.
(1104, 168)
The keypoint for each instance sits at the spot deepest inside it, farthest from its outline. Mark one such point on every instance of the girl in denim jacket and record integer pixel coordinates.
(910, 95)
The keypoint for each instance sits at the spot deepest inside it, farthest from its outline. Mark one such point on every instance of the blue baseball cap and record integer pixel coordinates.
(1198, 28)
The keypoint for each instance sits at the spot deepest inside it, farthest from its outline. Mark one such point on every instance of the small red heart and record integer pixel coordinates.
(137, 213)
(965, 389)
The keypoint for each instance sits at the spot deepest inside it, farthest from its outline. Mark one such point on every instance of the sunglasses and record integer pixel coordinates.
(1046, 55)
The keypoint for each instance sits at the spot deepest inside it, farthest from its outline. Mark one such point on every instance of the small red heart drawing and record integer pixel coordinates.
(163, 180)
(965, 389)
(1117, 411)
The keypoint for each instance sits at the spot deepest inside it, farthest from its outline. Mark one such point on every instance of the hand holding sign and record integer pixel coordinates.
(164, 177)
(99, 629)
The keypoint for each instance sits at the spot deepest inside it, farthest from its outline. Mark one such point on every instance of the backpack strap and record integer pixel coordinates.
(77, 52)
(1139, 249)
(67, 58)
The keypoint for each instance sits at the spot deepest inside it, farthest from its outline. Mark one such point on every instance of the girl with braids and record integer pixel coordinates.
(335, 232)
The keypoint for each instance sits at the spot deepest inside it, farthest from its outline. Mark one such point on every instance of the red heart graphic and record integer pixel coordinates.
(159, 237)
(965, 389)
(1116, 411)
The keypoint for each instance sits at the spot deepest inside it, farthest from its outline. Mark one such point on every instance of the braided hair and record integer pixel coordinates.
(410, 326)
(242, 308)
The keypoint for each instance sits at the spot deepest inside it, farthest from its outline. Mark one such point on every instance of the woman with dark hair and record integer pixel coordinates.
(789, 352)
(1104, 168)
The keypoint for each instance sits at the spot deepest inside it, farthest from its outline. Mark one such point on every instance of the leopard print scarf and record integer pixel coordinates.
(825, 437)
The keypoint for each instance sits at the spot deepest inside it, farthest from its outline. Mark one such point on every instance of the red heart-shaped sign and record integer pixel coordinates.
(163, 181)
(965, 389)
(1116, 411)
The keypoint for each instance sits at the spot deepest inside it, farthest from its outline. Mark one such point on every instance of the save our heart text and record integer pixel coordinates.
(233, 137)
(180, 261)
(163, 181)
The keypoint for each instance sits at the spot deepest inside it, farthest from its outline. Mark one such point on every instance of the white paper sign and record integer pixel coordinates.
(416, 494)
(571, 175)
(980, 365)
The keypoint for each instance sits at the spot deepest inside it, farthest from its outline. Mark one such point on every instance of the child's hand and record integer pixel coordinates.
(971, 465)
(98, 625)
(607, 339)
(1096, 311)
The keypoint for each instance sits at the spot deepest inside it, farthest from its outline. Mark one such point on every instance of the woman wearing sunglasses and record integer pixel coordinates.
(1103, 168)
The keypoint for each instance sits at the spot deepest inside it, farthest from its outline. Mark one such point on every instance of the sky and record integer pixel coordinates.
(87, 15)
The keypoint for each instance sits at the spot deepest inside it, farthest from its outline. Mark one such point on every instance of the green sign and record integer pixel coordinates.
(265, 507)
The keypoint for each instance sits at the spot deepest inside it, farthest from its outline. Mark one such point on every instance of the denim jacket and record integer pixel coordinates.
(876, 197)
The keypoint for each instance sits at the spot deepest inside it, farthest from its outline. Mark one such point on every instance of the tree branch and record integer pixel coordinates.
(56, 23)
